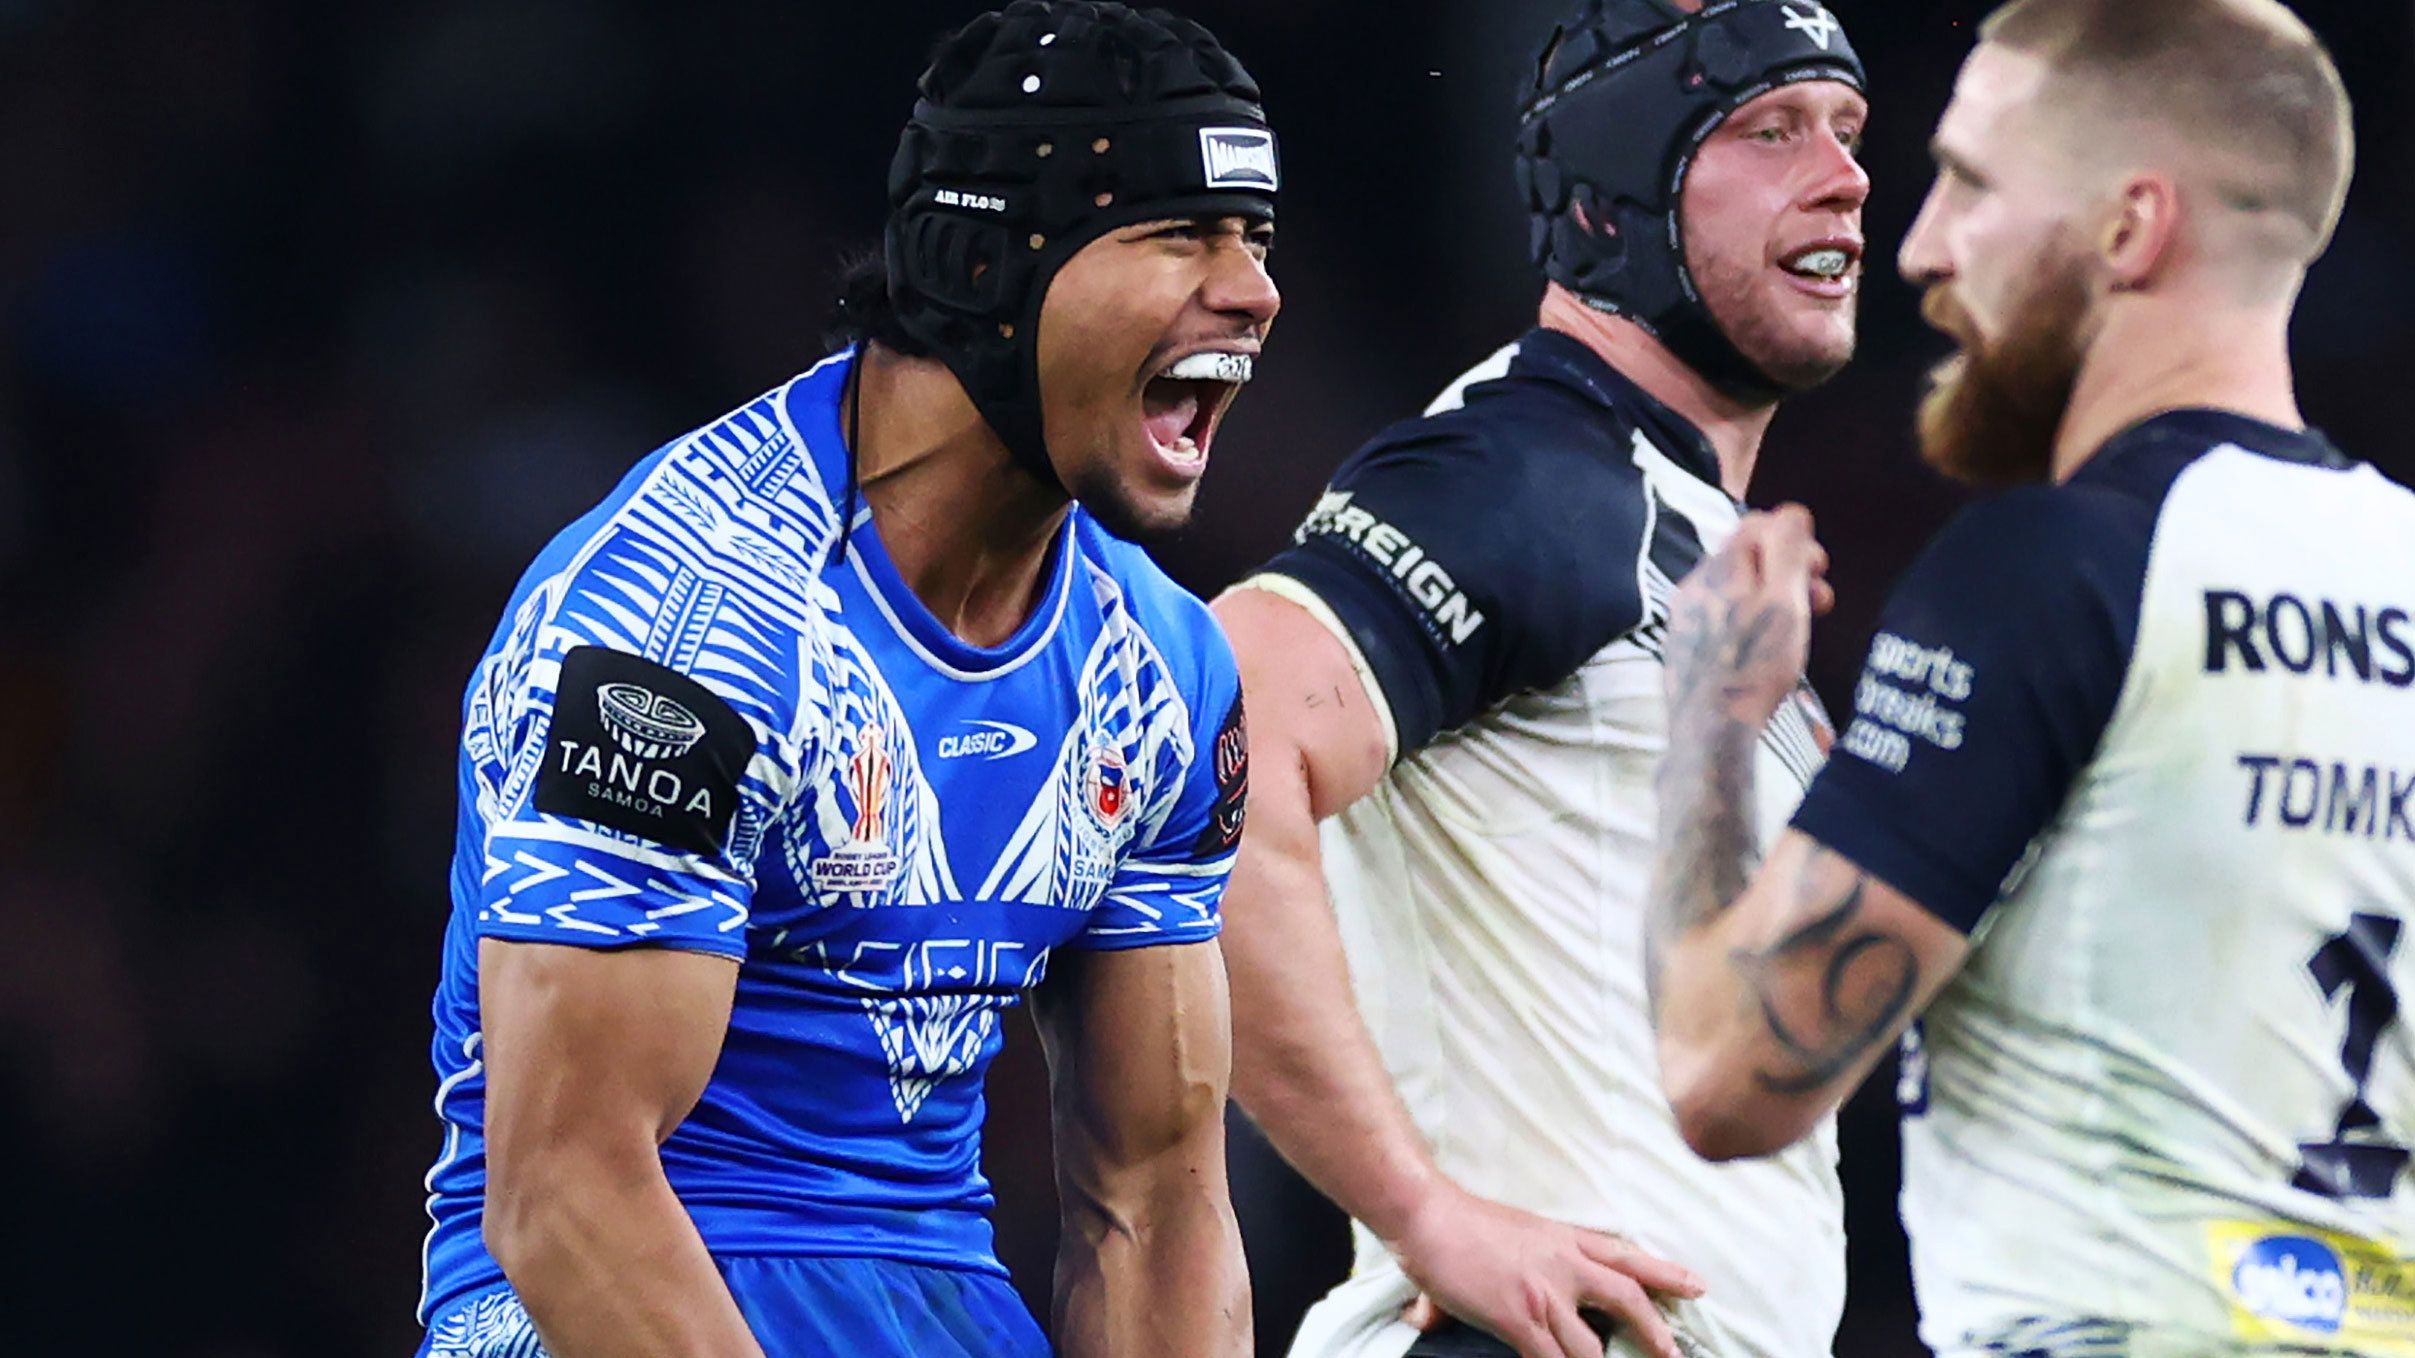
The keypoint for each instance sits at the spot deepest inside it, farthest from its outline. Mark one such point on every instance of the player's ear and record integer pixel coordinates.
(2136, 241)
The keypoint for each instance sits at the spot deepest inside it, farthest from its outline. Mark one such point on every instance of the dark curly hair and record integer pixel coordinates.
(861, 310)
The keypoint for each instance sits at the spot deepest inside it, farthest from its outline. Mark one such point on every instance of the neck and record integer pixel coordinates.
(1733, 428)
(2157, 353)
(967, 528)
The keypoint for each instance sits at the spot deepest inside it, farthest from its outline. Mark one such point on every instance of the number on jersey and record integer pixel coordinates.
(2358, 962)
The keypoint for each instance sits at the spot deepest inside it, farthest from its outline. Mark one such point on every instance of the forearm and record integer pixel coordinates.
(609, 1264)
(1708, 847)
(1772, 994)
(1305, 1068)
(1157, 1269)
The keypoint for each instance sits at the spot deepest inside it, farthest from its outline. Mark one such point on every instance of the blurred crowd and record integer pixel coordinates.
(317, 319)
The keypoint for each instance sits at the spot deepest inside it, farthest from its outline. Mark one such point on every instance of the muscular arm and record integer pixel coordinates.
(1774, 991)
(1139, 1055)
(593, 1058)
(1305, 1068)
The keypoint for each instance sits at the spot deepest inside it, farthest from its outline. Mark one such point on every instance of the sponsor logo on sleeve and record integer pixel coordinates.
(2296, 1284)
(1444, 608)
(1908, 692)
(1238, 158)
(1231, 755)
(643, 749)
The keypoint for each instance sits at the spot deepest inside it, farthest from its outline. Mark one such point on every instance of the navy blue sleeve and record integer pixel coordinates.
(1996, 667)
(1467, 572)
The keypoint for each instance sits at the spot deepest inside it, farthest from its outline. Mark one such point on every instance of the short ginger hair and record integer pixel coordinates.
(2245, 82)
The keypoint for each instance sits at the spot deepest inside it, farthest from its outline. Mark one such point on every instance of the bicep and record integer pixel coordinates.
(609, 1046)
(1139, 1046)
(1317, 738)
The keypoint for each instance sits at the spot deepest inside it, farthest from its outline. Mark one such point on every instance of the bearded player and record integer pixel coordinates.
(2126, 812)
(844, 723)
(1457, 668)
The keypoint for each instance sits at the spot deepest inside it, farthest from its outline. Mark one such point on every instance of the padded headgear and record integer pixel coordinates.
(1042, 127)
(1625, 93)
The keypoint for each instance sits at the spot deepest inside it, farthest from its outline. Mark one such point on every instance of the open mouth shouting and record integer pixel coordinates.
(1828, 268)
(1184, 401)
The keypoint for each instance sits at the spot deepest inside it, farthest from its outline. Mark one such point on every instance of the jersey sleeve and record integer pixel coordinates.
(650, 737)
(1169, 886)
(1463, 572)
(1997, 665)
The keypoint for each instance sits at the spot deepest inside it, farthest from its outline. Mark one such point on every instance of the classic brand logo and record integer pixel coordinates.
(647, 724)
(1238, 157)
(991, 740)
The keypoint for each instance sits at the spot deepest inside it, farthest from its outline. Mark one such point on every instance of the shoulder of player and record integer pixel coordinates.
(1522, 433)
(1176, 621)
(2033, 547)
(617, 587)
(736, 508)
(2048, 521)
(1527, 472)
(743, 500)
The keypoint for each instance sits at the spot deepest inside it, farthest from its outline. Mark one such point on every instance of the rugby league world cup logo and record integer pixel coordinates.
(864, 864)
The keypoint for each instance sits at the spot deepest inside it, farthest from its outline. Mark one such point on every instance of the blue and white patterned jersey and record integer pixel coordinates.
(695, 728)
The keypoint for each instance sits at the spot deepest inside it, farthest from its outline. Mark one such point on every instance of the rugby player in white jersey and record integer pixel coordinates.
(1456, 667)
(2126, 812)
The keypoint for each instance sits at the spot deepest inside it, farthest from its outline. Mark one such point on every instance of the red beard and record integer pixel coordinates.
(1992, 410)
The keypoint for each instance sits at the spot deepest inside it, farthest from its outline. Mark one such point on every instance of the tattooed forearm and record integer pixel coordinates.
(1831, 989)
(1707, 832)
(1707, 839)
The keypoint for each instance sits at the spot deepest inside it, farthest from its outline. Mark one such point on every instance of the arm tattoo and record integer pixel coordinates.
(1708, 846)
(1831, 988)
(1707, 839)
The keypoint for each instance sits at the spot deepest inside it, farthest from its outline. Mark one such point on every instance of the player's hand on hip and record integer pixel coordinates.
(1740, 625)
(1528, 1280)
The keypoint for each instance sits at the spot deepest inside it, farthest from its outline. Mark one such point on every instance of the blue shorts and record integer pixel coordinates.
(802, 1307)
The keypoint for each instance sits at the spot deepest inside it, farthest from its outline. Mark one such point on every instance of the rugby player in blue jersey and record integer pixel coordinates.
(845, 722)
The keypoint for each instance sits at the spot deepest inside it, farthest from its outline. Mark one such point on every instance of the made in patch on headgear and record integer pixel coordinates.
(1625, 93)
(1040, 128)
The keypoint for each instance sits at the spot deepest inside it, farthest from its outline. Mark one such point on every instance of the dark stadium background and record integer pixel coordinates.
(317, 318)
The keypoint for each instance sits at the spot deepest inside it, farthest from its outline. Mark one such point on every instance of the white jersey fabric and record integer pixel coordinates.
(2164, 1109)
(1490, 891)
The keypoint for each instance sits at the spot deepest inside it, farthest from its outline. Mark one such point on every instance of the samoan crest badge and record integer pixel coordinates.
(864, 864)
(1107, 790)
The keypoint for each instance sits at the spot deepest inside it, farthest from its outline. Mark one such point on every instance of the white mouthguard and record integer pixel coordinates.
(1213, 368)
